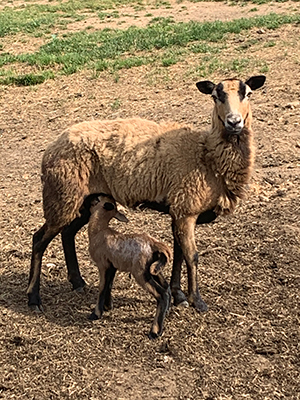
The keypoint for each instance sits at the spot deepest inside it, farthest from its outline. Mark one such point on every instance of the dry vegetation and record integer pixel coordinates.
(247, 345)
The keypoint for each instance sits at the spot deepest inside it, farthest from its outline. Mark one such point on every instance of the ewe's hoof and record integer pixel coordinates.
(35, 303)
(78, 286)
(38, 309)
(183, 304)
(93, 316)
(180, 299)
(79, 289)
(199, 305)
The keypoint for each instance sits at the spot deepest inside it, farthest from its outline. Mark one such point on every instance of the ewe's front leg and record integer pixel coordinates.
(184, 233)
(68, 240)
(177, 293)
(41, 239)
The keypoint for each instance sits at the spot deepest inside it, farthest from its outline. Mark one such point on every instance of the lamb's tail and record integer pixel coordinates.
(160, 257)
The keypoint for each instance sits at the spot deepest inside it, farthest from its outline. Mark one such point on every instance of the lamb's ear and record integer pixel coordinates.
(90, 200)
(121, 217)
(94, 201)
(255, 82)
(205, 87)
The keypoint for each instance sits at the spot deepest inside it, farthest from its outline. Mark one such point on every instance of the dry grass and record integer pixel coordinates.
(245, 347)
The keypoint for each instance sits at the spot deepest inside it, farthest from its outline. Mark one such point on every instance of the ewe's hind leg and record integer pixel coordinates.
(41, 239)
(163, 299)
(68, 240)
(104, 302)
(178, 295)
(185, 235)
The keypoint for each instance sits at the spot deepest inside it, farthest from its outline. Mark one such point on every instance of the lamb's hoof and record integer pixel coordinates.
(93, 316)
(38, 309)
(109, 305)
(180, 299)
(153, 336)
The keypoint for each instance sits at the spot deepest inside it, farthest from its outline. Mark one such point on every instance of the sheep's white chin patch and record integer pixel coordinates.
(234, 129)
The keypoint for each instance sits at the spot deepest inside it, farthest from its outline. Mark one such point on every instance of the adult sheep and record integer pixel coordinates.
(194, 176)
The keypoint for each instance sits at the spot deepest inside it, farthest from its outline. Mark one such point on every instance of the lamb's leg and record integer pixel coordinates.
(159, 278)
(185, 235)
(163, 298)
(68, 240)
(178, 295)
(109, 278)
(104, 299)
(40, 241)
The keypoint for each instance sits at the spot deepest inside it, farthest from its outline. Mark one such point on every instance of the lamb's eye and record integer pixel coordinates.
(248, 95)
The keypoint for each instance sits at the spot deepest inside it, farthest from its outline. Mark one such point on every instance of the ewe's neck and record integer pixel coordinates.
(230, 153)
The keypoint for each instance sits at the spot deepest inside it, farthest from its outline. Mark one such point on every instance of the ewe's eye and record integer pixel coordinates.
(248, 95)
(214, 98)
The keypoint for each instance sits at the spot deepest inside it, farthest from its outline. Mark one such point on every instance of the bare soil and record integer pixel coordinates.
(247, 345)
(181, 11)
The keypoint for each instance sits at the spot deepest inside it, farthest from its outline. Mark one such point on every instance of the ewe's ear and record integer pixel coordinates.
(109, 206)
(255, 82)
(205, 87)
(121, 217)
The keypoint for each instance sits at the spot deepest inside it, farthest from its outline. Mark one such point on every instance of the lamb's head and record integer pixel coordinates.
(232, 106)
(106, 208)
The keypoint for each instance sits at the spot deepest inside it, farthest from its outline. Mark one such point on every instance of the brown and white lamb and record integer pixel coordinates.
(139, 254)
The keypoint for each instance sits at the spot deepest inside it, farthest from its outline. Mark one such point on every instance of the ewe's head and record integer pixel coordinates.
(105, 207)
(232, 106)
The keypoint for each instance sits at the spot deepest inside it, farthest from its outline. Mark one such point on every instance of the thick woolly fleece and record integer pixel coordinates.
(137, 160)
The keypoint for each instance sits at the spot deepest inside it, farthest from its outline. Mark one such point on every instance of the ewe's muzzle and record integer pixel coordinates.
(234, 123)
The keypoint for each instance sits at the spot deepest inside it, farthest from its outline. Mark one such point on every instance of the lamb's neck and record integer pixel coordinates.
(96, 225)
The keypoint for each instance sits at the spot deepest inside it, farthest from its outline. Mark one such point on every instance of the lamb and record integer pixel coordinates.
(139, 254)
(193, 176)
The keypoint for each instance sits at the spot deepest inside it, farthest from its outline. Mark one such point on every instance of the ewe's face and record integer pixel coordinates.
(231, 99)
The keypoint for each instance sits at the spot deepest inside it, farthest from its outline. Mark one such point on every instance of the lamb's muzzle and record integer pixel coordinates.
(194, 176)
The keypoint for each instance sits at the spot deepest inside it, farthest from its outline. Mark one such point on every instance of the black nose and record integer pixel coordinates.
(234, 120)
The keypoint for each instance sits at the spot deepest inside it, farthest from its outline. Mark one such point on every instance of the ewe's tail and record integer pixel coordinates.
(161, 256)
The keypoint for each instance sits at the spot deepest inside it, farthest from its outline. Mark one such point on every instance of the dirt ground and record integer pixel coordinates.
(247, 345)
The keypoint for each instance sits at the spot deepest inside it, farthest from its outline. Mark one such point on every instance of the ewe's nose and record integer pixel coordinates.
(234, 122)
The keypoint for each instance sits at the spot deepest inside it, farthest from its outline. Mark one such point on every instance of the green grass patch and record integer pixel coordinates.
(116, 49)
(30, 79)
(204, 48)
(247, 44)
(27, 21)
(209, 65)
(105, 15)
(270, 44)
